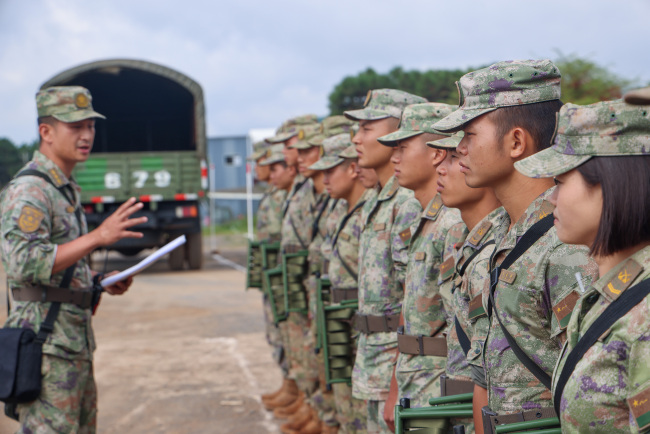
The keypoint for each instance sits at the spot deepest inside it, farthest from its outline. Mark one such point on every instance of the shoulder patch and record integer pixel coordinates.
(621, 281)
(30, 219)
(640, 406)
(508, 276)
(56, 178)
(447, 268)
(564, 308)
(405, 235)
(435, 207)
(476, 307)
(480, 233)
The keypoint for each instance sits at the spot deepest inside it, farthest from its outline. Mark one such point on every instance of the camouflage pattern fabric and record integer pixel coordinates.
(418, 377)
(605, 129)
(526, 296)
(269, 215)
(291, 127)
(509, 83)
(66, 104)
(384, 103)
(351, 413)
(260, 149)
(466, 298)
(609, 390)
(380, 284)
(68, 400)
(418, 119)
(35, 218)
(332, 126)
(376, 422)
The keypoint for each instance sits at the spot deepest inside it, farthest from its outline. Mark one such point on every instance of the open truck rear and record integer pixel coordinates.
(152, 145)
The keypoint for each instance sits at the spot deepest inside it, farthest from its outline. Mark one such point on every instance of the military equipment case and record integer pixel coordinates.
(152, 146)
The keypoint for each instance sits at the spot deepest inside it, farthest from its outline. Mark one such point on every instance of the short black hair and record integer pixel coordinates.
(536, 118)
(625, 182)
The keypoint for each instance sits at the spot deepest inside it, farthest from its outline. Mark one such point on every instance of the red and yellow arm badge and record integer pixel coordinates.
(30, 219)
(640, 406)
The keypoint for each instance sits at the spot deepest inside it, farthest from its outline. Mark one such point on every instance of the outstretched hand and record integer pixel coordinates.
(116, 226)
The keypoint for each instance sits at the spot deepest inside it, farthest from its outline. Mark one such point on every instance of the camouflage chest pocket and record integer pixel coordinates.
(64, 225)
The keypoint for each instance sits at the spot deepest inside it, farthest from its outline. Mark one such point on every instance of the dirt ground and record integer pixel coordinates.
(181, 352)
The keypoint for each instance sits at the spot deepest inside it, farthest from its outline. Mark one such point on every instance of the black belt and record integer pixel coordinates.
(49, 294)
(376, 323)
(342, 294)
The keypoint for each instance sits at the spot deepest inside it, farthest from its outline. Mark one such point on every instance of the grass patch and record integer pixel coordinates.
(237, 226)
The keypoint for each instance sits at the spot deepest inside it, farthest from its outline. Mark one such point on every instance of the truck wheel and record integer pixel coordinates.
(176, 259)
(194, 251)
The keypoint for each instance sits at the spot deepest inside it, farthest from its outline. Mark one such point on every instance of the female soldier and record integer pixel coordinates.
(601, 163)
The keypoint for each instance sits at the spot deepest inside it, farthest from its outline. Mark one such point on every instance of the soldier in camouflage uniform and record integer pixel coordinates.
(44, 233)
(507, 113)
(422, 324)
(296, 228)
(339, 164)
(607, 388)
(380, 284)
(467, 263)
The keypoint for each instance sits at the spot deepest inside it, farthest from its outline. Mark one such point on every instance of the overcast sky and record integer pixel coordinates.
(261, 62)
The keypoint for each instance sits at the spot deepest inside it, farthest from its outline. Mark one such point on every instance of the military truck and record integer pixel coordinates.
(152, 146)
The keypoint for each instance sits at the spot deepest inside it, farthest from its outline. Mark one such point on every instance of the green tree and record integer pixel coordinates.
(585, 82)
(13, 158)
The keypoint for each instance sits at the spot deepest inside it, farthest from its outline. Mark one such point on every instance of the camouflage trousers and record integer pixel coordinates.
(376, 422)
(351, 413)
(418, 378)
(273, 335)
(283, 329)
(68, 400)
(301, 343)
(323, 399)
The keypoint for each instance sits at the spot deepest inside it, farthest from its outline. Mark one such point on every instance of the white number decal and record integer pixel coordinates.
(163, 178)
(140, 178)
(112, 180)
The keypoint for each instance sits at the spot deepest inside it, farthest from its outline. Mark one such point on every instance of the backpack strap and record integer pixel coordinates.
(615, 311)
(527, 240)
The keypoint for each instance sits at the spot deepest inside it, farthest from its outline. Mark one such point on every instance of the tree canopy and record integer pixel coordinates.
(13, 158)
(583, 82)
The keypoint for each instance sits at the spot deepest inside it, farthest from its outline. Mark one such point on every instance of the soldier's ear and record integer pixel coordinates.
(353, 170)
(438, 156)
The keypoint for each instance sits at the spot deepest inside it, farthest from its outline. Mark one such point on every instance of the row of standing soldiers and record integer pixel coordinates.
(422, 272)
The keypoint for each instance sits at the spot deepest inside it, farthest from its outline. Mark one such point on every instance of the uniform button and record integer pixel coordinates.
(477, 351)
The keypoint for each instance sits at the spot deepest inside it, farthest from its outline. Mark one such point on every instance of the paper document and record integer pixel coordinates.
(146, 262)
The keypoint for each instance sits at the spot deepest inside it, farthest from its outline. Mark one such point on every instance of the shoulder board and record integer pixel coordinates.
(435, 207)
(447, 268)
(621, 281)
(405, 235)
(476, 307)
(480, 233)
(640, 407)
(393, 189)
(544, 210)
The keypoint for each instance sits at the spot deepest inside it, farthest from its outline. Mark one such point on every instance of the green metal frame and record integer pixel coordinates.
(268, 248)
(323, 286)
(337, 361)
(250, 283)
(549, 425)
(278, 315)
(286, 283)
(425, 420)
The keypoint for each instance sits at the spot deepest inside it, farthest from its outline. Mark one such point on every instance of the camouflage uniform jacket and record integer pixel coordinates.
(299, 214)
(269, 215)
(381, 284)
(35, 219)
(526, 295)
(345, 247)
(466, 296)
(609, 390)
(423, 309)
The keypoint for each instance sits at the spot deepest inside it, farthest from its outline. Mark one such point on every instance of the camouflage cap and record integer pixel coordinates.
(305, 134)
(638, 96)
(332, 147)
(384, 103)
(504, 84)
(350, 152)
(605, 129)
(331, 126)
(275, 155)
(448, 142)
(66, 104)
(291, 127)
(260, 150)
(418, 119)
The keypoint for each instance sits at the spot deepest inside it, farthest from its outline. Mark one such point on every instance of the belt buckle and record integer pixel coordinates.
(386, 328)
(420, 340)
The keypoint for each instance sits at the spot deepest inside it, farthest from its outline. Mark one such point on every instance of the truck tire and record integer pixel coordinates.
(194, 251)
(176, 259)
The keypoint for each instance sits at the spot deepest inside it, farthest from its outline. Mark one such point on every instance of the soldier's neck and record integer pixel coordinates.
(352, 198)
(426, 191)
(517, 192)
(65, 166)
(319, 185)
(472, 213)
(384, 173)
